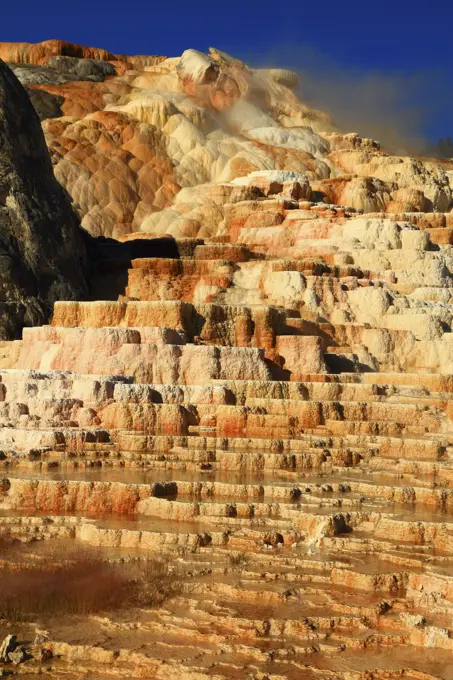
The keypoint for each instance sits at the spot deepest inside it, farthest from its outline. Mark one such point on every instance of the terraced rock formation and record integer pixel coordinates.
(267, 399)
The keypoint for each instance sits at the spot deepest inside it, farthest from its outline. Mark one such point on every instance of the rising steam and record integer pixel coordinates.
(392, 108)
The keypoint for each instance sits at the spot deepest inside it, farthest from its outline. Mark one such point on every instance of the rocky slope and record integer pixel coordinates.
(261, 388)
(42, 248)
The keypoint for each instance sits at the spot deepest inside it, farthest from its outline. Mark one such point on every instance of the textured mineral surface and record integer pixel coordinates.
(247, 369)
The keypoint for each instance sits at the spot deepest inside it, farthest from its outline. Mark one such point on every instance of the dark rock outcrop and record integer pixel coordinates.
(60, 70)
(42, 251)
(46, 105)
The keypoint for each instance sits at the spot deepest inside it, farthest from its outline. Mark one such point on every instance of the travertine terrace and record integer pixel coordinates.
(260, 385)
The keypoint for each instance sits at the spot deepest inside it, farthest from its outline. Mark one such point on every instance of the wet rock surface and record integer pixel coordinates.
(7, 648)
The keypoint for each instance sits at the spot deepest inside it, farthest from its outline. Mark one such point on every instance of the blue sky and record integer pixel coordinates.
(408, 43)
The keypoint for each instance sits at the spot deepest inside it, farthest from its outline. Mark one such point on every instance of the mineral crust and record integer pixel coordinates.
(258, 384)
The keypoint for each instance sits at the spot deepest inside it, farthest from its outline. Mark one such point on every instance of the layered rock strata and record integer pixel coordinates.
(270, 406)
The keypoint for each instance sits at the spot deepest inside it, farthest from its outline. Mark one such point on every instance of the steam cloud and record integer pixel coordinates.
(393, 108)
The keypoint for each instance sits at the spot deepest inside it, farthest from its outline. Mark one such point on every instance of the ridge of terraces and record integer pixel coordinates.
(259, 387)
(237, 405)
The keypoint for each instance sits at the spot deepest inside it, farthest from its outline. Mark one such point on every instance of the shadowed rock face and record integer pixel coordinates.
(42, 253)
(45, 104)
